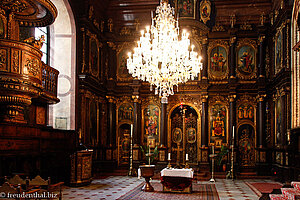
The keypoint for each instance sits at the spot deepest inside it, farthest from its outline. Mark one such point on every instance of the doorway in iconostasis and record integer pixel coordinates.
(124, 142)
(246, 147)
(183, 137)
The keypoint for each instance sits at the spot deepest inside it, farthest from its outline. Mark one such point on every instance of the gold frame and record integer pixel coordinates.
(146, 103)
(202, 4)
(248, 122)
(3, 18)
(99, 45)
(120, 48)
(277, 69)
(252, 44)
(198, 127)
(218, 100)
(194, 10)
(279, 94)
(211, 46)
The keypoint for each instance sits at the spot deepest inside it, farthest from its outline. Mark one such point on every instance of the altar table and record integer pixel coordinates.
(177, 180)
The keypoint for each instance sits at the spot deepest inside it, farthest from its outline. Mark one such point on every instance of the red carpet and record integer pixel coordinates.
(200, 191)
(260, 188)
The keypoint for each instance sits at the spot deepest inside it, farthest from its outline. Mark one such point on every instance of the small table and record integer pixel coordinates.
(177, 180)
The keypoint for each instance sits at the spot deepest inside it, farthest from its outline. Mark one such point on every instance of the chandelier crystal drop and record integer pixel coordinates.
(162, 57)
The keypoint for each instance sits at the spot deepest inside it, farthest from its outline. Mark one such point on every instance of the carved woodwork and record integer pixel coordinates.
(23, 76)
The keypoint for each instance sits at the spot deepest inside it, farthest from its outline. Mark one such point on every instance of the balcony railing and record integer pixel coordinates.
(49, 79)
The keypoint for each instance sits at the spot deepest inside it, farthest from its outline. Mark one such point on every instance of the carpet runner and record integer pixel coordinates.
(263, 188)
(200, 191)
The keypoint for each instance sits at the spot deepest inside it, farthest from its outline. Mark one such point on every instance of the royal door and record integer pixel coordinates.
(183, 137)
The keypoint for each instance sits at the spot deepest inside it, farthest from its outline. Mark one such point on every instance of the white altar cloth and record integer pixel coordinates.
(188, 173)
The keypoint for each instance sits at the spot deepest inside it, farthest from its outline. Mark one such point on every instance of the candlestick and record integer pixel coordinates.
(169, 156)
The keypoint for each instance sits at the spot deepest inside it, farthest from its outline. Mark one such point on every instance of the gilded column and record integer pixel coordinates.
(261, 121)
(111, 119)
(136, 120)
(204, 121)
(232, 115)
(232, 57)
(163, 125)
(262, 70)
(204, 58)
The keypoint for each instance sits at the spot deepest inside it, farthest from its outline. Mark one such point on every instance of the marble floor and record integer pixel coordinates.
(114, 187)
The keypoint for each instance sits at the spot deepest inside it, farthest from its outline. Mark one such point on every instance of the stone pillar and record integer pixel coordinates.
(163, 125)
(232, 117)
(204, 58)
(204, 121)
(232, 73)
(262, 70)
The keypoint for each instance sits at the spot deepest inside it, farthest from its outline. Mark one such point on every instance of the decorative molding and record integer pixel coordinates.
(246, 27)
(218, 99)
(218, 28)
(125, 31)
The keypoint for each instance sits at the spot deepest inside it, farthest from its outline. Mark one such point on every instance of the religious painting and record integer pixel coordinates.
(125, 112)
(151, 119)
(122, 71)
(278, 51)
(124, 142)
(205, 10)
(94, 55)
(177, 135)
(245, 111)
(218, 123)
(191, 135)
(218, 63)
(246, 62)
(246, 138)
(279, 120)
(186, 8)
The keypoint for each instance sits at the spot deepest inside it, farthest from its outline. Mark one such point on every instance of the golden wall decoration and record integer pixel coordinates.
(218, 67)
(246, 59)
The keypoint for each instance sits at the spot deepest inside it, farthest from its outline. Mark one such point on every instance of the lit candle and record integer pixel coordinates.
(233, 132)
(186, 156)
(131, 130)
(169, 156)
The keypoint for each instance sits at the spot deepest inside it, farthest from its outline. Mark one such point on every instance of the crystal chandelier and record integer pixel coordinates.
(162, 57)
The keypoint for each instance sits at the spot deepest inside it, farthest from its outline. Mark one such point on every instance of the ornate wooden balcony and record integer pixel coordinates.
(23, 77)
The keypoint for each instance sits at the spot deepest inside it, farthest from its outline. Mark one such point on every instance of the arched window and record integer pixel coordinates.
(63, 58)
